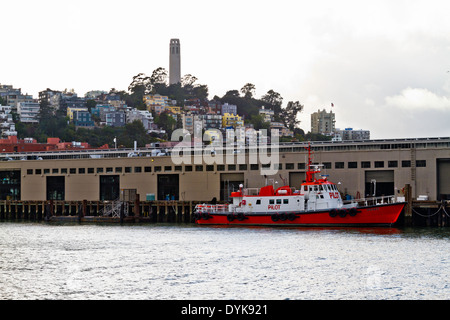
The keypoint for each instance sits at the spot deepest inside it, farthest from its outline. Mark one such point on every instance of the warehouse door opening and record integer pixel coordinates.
(168, 186)
(229, 182)
(10, 185)
(109, 187)
(379, 183)
(55, 188)
(443, 181)
(296, 179)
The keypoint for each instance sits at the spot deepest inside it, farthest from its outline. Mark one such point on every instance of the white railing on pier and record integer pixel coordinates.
(113, 209)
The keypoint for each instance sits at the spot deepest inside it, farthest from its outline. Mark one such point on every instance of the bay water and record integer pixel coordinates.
(183, 261)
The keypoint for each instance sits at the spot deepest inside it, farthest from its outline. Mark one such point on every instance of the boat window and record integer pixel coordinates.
(258, 201)
(271, 201)
(305, 188)
(278, 201)
(285, 201)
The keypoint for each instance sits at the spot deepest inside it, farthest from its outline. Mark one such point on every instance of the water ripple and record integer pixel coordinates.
(42, 261)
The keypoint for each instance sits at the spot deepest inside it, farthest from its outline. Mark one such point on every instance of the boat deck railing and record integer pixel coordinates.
(216, 208)
(372, 201)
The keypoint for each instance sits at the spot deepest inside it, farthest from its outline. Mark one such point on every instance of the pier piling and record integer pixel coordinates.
(416, 213)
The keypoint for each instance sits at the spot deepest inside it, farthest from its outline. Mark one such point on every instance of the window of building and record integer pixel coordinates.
(339, 165)
(178, 168)
(301, 166)
(55, 170)
(127, 169)
(109, 170)
(393, 164)
(38, 171)
(210, 167)
(81, 170)
(158, 169)
(421, 163)
(99, 170)
(231, 167)
(289, 166)
(327, 165)
(406, 163)
(29, 171)
(242, 167)
(254, 167)
(379, 164)
(118, 169)
(187, 168)
(90, 170)
(74, 170)
(365, 164)
(198, 168)
(139, 169)
(220, 167)
(147, 169)
(352, 165)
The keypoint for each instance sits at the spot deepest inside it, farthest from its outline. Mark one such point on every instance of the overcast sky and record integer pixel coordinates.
(383, 64)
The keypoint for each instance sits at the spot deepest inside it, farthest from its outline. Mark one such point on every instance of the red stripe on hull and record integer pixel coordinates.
(374, 215)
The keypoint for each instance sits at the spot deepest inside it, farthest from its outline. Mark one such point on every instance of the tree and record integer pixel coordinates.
(273, 99)
(248, 90)
(166, 122)
(258, 122)
(131, 132)
(158, 81)
(140, 86)
(289, 114)
(200, 92)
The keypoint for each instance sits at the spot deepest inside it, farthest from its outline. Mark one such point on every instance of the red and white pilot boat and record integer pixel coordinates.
(317, 203)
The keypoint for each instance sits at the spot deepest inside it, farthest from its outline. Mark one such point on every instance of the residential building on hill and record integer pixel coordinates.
(232, 121)
(323, 122)
(351, 134)
(28, 111)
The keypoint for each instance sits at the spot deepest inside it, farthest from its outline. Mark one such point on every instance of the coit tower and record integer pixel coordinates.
(174, 62)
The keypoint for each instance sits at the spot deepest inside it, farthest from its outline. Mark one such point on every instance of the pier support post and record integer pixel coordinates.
(408, 207)
(137, 209)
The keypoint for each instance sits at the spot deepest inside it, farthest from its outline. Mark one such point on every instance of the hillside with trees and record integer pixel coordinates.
(57, 124)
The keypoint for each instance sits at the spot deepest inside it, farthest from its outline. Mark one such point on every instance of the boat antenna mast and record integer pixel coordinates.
(309, 172)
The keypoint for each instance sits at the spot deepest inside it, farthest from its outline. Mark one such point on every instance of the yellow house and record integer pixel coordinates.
(174, 109)
(156, 100)
(212, 135)
(231, 120)
(70, 111)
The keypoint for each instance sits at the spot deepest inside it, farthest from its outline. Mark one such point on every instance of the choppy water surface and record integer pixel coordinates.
(47, 261)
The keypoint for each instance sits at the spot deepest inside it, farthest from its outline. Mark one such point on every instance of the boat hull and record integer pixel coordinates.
(377, 215)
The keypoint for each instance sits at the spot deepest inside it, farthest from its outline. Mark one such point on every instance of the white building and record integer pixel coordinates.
(351, 134)
(144, 116)
(28, 111)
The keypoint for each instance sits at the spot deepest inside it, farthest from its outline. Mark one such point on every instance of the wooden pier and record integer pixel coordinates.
(416, 213)
(94, 211)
